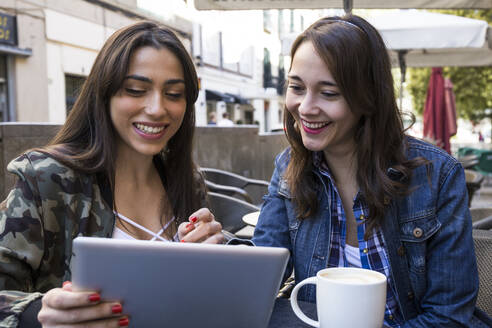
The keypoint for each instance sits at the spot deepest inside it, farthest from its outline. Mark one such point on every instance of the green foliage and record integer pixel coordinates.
(417, 86)
(472, 85)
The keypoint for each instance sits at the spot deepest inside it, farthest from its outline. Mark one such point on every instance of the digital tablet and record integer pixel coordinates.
(182, 284)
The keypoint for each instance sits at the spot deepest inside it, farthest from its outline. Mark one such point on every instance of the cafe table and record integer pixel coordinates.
(284, 317)
(251, 218)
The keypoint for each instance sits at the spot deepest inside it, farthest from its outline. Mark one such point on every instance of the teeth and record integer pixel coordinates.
(314, 125)
(149, 129)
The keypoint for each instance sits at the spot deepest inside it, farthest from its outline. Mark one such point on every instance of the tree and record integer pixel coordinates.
(472, 85)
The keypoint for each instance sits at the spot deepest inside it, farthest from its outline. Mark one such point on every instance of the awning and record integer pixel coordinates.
(238, 99)
(218, 96)
(11, 50)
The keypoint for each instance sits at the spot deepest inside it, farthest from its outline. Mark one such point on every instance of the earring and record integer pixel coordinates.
(295, 125)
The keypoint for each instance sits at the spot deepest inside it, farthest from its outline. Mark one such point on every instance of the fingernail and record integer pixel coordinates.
(193, 219)
(183, 241)
(66, 283)
(116, 308)
(123, 322)
(94, 297)
(189, 225)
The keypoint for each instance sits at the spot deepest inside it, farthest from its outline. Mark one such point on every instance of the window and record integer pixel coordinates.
(267, 21)
(73, 85)
(4, 105)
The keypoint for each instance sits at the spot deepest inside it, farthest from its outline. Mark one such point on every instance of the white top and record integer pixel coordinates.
(225, 122)
(353, 256)
(120, 234)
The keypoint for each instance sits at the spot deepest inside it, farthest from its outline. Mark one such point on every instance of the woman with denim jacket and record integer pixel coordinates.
(354, 190)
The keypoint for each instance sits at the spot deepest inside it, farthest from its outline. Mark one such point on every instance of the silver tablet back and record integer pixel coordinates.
(182, 285)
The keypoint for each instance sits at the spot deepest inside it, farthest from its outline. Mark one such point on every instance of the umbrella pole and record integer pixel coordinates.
(403, 70)
(401, 95)
(347, 6)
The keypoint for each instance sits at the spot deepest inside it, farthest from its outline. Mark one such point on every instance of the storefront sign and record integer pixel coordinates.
(8, 29)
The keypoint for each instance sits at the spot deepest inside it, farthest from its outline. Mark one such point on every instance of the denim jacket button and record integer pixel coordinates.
(410, 295)
(418, 232)
(401, 251)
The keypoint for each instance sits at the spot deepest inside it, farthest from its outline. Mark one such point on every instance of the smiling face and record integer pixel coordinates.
(149, 107)
(325, 121)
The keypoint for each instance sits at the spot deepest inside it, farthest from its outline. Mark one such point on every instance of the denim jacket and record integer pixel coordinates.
(428, 237)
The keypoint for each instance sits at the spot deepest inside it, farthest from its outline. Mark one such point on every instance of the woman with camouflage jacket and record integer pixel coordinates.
(124, 152)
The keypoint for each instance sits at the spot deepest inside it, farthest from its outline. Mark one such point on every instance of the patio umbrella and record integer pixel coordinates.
(434, 40)
(439, 112)
(426, 39)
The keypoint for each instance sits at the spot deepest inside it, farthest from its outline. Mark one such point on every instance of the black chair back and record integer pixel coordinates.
(256, 189)
(229, 211)
(483, 251)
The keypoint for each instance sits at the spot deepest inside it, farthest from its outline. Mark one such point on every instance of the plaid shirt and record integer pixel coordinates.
(372, 252)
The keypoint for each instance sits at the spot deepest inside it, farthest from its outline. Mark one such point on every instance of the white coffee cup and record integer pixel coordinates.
(345, 297)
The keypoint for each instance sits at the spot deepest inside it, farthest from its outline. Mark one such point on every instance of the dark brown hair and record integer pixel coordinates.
(355, 54)
(86, 142)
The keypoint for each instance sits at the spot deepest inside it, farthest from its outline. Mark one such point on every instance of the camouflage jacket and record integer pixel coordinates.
(49, 206)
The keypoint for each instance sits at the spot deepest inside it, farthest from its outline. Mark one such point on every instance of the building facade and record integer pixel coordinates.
(47, 48)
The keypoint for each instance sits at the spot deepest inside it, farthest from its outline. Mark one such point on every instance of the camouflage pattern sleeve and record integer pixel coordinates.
(21, 243)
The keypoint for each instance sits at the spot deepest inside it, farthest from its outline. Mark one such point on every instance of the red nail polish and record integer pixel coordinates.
(193, 219)
(66, 283)
(189, 225)
(183, 241)
(116, 309)
(94, 297)
(123, 322)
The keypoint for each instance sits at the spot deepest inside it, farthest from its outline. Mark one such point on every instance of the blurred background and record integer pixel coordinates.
(242, 57)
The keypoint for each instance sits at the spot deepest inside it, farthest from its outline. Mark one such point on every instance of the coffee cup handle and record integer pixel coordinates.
(295, 307)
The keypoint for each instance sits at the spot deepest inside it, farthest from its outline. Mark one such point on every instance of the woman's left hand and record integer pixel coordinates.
(201, 228)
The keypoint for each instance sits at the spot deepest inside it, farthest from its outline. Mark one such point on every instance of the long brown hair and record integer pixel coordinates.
(355, 54)
(86, 142)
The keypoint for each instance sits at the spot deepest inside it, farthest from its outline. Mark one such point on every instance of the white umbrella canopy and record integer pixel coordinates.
(433, 39)
(414, 29)
(429, 39)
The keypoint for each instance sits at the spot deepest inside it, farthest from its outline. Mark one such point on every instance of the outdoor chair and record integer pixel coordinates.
(256, 189)
(464, 151)
(469, 161)
(479, 213)
(483, 224)
(287, 288)
(483, 251)
(484, 165)
(228, 190)
(229, 211)
(473, 183)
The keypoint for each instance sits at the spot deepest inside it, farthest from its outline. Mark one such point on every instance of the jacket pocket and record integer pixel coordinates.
(414, 233)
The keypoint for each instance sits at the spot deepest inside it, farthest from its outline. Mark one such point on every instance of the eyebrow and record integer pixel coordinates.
(146, 79)
(297, 78)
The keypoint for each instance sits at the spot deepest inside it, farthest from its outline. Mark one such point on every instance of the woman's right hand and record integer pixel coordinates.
(63, 307)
